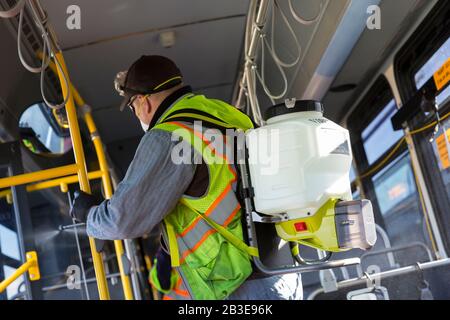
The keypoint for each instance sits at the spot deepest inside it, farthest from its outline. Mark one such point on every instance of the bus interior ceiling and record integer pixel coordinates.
(340, 61)
(208, 47)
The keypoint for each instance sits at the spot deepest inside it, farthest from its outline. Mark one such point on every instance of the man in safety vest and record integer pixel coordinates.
(181, 179)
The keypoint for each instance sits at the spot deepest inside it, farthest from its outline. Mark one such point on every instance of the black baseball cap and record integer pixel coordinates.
(148, 75)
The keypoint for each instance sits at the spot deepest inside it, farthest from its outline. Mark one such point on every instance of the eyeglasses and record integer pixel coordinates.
(130, 104)
(133, 99)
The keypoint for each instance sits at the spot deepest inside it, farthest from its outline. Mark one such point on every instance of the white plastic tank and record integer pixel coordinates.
(298, 161)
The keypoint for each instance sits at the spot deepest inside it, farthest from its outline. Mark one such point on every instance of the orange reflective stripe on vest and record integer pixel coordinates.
(214, 151)
(191, 238)
(199, 223)
(179, 292)
(207, 213)
(208, 233)
(179, 289)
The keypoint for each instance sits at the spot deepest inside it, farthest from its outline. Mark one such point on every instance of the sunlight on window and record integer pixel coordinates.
(394, 184)
(379, 136)
(13, 288)
(9, 243)
(430, 67)
(34, 120)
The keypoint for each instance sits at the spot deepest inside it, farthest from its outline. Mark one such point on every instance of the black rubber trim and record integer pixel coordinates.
(423, 100)
(194, 111)
(300, 106)
(168, 102)
(248, 193)
(205, 123)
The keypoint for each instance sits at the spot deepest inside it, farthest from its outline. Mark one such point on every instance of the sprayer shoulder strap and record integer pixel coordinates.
(173, 245)
(231, 238)
(238, 243)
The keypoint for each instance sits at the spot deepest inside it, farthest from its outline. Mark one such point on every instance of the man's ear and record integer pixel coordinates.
(148, 105)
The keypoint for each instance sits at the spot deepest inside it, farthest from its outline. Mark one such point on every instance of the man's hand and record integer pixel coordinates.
(81, 205)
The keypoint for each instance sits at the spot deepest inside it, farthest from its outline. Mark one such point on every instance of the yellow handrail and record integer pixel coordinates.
(106, 179)
(53, 183)
(81, 170)
(26, 178)
(107, 185)
(31, 266)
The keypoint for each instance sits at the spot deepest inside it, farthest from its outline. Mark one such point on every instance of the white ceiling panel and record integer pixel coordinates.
(103, 19)
(114, 33)
(207, 55)
(366, 55)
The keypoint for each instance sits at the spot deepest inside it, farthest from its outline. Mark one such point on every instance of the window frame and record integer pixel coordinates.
(424, 42)
(11, 160)
(378, 96)
(433, 32)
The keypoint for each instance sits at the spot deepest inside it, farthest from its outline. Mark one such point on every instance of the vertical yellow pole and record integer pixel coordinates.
(106, 179)
(82, 171)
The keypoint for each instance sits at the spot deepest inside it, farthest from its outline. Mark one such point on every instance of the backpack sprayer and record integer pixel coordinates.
(296, 176)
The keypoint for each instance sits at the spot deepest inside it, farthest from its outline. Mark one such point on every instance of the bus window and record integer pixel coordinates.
(9, 243)
(356, 194)
(352, 173)
(441, 56)
(15, 287)
(379, 136)
(440, 141)
(399, 204)
(10, 254)
(433, 64)
(441, 148)
(388, 182)
(427, 50)
(426, 72)
(41, 133)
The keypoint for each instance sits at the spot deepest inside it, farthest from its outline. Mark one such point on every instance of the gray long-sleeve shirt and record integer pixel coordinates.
(151, 188)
